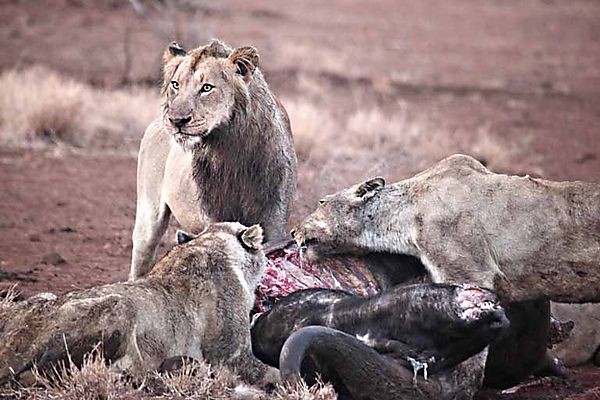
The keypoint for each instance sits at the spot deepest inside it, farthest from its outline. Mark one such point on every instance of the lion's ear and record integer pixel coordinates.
(183, 237)
(252, 237)
(173, 50)
(246, 60)
(370, 186)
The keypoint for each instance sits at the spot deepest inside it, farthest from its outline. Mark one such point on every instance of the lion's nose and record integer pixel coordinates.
(180, 122)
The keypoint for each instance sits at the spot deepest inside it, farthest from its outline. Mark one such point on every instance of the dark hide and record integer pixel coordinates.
(360, 372)
(523, 350)
(441, 325)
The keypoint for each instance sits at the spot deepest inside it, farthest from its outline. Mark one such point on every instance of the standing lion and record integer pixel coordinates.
(221, 151)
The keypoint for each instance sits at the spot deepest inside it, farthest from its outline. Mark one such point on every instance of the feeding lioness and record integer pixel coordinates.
(221, 151)
(194, 304)
(528, 239)
(523, 237)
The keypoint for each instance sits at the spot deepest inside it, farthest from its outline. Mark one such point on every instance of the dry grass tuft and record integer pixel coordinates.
(301, 391)
(8, 297)
(197, 381)
(313, 129)
(95, 380)
(502, 156)
(39, 105)
(341, 149)
(116, 119)
(366, 133)
(335, 152)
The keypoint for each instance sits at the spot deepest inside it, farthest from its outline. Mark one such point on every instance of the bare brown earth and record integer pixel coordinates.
(516, 83)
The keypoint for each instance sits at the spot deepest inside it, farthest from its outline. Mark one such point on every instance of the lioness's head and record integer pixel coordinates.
(352, 221)
(204, 87)
(229, 244)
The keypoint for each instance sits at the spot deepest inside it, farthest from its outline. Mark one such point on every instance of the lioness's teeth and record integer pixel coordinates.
(302, 251)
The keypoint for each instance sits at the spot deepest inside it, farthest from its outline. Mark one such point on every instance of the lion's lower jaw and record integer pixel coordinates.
(188, 142)
(314, 253)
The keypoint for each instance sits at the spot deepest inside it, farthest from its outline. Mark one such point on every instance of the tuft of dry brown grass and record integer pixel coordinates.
(8, 297)
(38, 105)
(501, 156)
(335, 151)
(301, 391)
(313, 130)
(93, 381)
(96, 380)
(197, 380)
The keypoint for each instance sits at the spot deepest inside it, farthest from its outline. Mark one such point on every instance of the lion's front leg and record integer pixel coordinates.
(151, 223)
(274, 220)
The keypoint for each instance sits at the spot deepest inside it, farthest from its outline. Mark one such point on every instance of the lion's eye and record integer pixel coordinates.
(175, 85)
(207, 87)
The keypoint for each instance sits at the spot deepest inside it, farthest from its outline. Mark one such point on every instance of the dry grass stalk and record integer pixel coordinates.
(301, 391)
(37, 104)
(93, 381)
(198, 381)
(96, 380)
(8, 297)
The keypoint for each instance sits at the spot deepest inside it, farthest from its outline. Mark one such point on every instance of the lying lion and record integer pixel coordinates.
(195, 304)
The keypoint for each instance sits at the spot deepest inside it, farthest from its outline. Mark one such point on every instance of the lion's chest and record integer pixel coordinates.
(180, 192)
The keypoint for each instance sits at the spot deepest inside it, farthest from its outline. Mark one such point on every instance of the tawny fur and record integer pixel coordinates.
(233, 160)
(195, 303)
(583, 344)
(523, 237)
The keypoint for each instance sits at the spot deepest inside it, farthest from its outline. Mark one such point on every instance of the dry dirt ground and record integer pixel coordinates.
(516, 83)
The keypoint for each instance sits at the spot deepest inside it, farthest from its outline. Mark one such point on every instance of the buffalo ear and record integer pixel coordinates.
(183, 237)
(252, 237)
(173, 50)
(246, 60)
(370, 186)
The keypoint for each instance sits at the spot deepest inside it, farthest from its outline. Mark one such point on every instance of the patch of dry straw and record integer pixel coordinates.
(38, 105)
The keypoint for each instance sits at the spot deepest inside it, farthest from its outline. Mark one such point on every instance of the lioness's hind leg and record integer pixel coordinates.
(150, 225)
